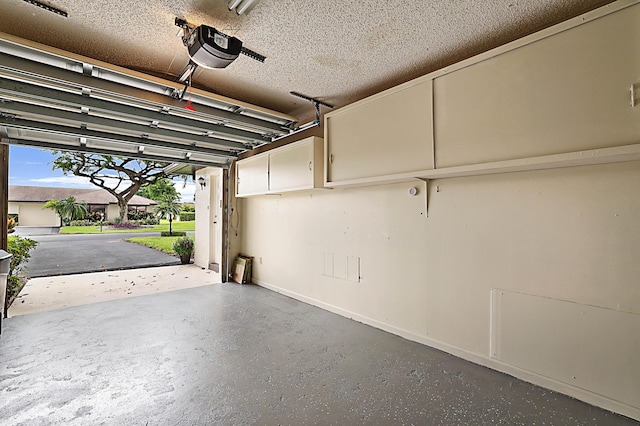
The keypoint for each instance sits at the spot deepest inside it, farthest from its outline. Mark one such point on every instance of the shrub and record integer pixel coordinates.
(139, 216)
(117, 220)
(127, 225)
(20, 249)
(173, 234)
(186, 216)
(96, 216)
(183, 245)
(188, 208)
(147, 221)
(84, 222)
(11, 224)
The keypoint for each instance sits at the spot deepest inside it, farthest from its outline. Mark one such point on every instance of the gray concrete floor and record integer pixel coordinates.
(229, 354)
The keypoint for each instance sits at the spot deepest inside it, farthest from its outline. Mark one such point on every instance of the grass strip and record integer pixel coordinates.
(164, 226)
(164, 244)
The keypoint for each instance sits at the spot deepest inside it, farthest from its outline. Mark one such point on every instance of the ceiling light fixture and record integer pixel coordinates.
(242, 6)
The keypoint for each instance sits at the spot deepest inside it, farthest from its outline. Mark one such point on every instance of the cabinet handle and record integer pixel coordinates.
(310, 163)
(330, 158)
(633, 95)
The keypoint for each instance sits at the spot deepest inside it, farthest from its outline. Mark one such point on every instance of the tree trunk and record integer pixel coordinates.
(123, 202)
(170, 221)
(124, 211)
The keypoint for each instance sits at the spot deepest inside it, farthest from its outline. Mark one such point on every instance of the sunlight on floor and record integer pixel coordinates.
(49, 293)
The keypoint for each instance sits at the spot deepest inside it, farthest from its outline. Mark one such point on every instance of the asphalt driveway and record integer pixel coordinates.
(75, 254)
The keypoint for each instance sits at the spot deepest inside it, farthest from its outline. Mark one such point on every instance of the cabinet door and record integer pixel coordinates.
(383, 135)
(292, 167)
(565, 93)
(252, 175)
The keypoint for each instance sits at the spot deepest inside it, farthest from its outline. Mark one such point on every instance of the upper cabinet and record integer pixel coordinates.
(296, 166)
(384, 135)
(568, 95)
(293, 167)
(252, 176)
(566, 92)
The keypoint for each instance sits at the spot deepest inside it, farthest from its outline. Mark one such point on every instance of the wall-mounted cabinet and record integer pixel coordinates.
(293, 167)
(568, 92)
(252, 176)
(384, 135)
(566, 96)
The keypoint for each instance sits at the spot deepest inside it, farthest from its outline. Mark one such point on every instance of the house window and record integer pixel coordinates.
(97, 212)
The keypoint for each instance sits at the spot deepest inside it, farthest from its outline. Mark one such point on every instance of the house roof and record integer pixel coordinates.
(18, 193)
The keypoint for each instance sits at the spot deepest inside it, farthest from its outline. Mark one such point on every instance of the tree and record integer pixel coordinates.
(168, 206)
(157, 190)
(121, 177)
(68, 208)
(20, 249)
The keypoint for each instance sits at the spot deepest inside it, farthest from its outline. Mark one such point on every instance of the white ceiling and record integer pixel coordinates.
(337, 51)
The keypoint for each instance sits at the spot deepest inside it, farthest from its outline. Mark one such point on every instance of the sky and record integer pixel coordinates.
(33, 167)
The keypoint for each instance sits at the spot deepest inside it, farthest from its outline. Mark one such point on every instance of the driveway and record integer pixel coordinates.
(51, 293)
(75, 254)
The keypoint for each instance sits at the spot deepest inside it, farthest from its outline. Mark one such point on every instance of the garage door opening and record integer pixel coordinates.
(85, 261)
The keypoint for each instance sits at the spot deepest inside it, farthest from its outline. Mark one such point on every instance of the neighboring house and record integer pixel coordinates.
(27, 202)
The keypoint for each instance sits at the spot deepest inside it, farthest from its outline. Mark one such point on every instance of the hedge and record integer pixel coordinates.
(187, 216)
(173, 234)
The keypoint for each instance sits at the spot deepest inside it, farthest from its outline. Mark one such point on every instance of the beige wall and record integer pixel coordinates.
(13, 208)
(212, 222)
(208, 248)
(568, 235)
(33, 214)
(112, 212)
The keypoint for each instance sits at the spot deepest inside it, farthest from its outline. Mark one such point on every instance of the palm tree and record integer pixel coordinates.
(169, 207)
(68, 208)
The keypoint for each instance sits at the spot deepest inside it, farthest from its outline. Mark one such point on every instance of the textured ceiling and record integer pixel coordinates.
(337, 51)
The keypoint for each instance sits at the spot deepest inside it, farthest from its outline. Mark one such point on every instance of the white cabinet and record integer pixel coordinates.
(296, 166)
(293, 167)
(381, 136)
(252, 176)
(567, 92)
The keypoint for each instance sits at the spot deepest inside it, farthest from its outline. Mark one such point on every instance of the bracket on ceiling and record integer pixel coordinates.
(189, 69)
(316, 104)
(185, 77)
(48, 7)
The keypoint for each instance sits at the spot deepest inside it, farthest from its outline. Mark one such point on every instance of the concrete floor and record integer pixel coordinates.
(56, 292)
(229, 354)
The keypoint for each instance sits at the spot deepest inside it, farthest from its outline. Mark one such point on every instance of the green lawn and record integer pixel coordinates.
(164, 244)
(164, 226)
